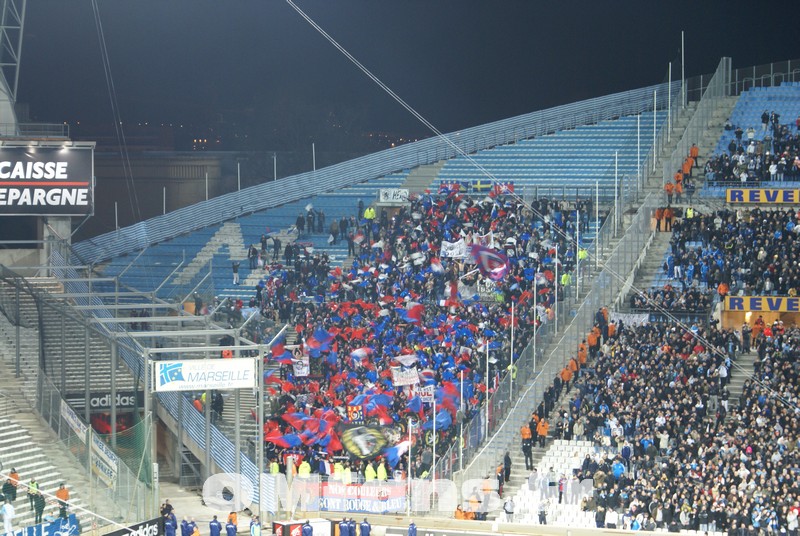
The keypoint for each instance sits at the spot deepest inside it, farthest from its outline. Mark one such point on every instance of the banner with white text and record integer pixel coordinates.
(203, 374)
(46, 181)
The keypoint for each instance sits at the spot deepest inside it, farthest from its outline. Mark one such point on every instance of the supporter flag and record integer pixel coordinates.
(451, 187)
(427, 377)
(481, 186)
(436, 265)
(491, 263)
(297, 420)
(359, 237)
(443, 421)
(503, 188)
(320, 340)
(278, 347)
(414, 404)
(360, 355)
(281, 440)
(395, 453)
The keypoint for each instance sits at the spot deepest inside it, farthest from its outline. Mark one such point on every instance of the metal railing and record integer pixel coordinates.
(606, 285)
(34, 130)
(375, 165)
(717, 89)
(766, 75)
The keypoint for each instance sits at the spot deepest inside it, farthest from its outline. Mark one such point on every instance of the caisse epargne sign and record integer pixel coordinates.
(46, 181)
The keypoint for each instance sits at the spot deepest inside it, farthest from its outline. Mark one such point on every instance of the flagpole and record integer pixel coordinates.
(461, 434)
(511, 370)
(556, 304)
(577, 254)
(408, 472)
(535, 317)
(487, 386)
(433, 467)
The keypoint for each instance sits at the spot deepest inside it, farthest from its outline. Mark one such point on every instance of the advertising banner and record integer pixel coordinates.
(767, 196)
(203, 374)
(145, 528)
(60, 527)
(402, 377)
(101, 400)
(104, 462)
(73, 421)
(773, 304)
(48, 181)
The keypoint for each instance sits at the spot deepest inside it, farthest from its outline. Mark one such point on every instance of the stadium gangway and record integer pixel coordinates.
(152, 319)
(120, 294)
(182, 334)
(123, 306)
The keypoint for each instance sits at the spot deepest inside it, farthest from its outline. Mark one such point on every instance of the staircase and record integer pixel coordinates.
(740, 372)
(421, 178)
(230, 234)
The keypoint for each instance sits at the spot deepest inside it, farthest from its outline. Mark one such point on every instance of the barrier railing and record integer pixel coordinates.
(334, 177)
(766, 75)
(604, 289)
(717, 88)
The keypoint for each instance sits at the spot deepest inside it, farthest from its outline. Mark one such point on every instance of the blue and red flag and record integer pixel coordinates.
(491, 263)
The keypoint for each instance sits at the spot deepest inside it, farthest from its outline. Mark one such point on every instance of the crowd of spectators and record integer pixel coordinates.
(771, 153)
(673, 299)
(741, 252)
(402, 305)
(687, 459)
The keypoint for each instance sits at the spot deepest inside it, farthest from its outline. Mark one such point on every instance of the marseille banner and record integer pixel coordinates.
(60, 527)
(46, 181)
(203, 374)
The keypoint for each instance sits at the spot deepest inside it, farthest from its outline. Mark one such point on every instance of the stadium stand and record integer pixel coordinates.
(761, 141)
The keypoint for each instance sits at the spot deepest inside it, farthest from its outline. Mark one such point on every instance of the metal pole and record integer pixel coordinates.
(147, 411)
(669, 103)
(17, 370)
(313, 156)
(408, 472)
(164, 201)
(655, 115)
(577, 254)
(556, 304)
(114, 358)
(207, 415)
(260, 446)
(461, 434)
(274, 170)
(535, 318)
(237, 434)
(597, 224)
(206, 185)
(433, 466)
(87, 378)
(683, 73)
(238, 175)
(616, 193)
(511, 370)
(487, 387)
(116, 216)
(639, 150)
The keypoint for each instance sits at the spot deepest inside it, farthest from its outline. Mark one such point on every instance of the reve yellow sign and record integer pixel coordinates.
(774, 196)
(772, 304)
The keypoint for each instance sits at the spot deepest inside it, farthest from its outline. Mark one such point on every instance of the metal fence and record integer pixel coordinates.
(116, 487)
(717, 89)
(767, 75)
(477, 460)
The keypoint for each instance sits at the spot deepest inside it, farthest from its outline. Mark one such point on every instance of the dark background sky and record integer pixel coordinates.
(459, 63)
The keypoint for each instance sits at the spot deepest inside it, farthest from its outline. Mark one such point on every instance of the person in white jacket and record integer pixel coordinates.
(8, 515)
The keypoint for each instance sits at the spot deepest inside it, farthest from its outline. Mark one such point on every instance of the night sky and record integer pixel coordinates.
(459, 63)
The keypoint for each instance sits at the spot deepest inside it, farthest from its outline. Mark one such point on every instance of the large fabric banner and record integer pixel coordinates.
(73, 421)
(454, 250)
(402, 377)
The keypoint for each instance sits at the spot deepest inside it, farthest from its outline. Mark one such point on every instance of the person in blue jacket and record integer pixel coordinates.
(344, 528)
(412, 529)
(186, 527)
(366, 528)
(169, 525)
(214, 527)
(352, 526)
(308, 530)
(230, 529)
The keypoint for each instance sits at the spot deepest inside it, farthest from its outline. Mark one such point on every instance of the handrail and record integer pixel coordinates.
(164, 282)
(289, 189)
